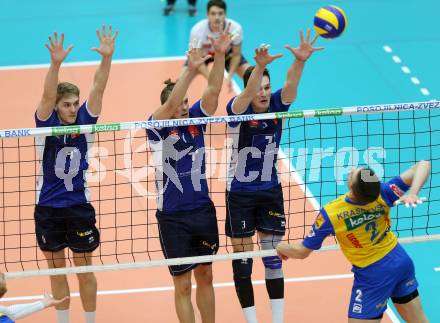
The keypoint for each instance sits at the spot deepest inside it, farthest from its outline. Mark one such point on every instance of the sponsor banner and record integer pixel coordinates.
(399, 107)
(66, 130)
(106, 127)
(290, 114)
(328, 112)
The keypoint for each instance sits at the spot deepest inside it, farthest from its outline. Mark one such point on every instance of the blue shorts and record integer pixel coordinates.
(73, 227)
(392, 276)
(188, 234)
(260, 210)
(5, 319)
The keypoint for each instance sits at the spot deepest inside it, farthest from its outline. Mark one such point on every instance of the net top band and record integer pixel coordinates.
(135, 125)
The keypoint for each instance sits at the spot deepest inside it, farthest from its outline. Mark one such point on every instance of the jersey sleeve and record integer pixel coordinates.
(19, 311)
(156, 134)
(321, 229)
(231, 113)
(277, 104)
(197, 111)
(52, 121)
(85, 116)
(392, 190)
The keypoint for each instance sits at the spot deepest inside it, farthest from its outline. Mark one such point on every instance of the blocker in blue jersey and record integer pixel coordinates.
(186, 215)
(64, 216)
(254, 197)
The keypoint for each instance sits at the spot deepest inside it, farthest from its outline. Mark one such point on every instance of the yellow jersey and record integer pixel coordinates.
(363, 231)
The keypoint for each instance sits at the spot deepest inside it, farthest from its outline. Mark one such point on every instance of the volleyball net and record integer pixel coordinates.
(318, 148)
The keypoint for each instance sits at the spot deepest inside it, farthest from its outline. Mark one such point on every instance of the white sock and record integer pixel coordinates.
(90, 317)
(277, 310)
(250, 314)
(63, 316)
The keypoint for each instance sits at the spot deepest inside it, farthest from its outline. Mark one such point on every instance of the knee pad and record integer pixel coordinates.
(242, 268)
(242, 279)
(272, 264)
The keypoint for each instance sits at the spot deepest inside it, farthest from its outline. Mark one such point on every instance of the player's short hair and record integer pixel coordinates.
(166, 91)
(248, 72)
(216, 3)
(66, 88)
(366, 186)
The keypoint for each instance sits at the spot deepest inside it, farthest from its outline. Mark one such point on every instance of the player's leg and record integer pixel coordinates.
(205, 293)
(274, 276)
(410, 308)
(175, 240)
(182, 297)
(88, 285)
(271, 226)
(240, 227)
(169, 7)
(59, 284)
(205, 242)
(405, 294)
(192, 10)
(51, 237)
(83, 239)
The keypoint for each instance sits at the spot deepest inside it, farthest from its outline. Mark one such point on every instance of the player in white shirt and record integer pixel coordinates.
(210, 28)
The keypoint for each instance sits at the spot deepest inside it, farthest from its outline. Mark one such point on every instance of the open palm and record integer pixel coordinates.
(305, 49)
(56, 48)
(106, 40)
(222, 43)
(262, 56)
(194, 55)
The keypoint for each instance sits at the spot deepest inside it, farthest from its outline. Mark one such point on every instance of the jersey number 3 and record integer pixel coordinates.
(371, 226)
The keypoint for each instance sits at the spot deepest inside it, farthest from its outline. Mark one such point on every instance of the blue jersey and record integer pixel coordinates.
(64, 163)
(179, 157)
(253, 165)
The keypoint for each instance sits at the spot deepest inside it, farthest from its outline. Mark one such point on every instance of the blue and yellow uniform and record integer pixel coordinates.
(5, 319)
(254, 197)
(63, 215)
(186, 215)
(381, 267)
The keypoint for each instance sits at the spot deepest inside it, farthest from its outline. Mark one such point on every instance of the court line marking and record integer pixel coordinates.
(171, 288)
(93, 63)
(406, 70)
(437, 268)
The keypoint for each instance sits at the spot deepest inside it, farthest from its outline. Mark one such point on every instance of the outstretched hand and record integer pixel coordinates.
(194, 55)
(223, 42)
(50, 301)
(262, 56)
(56, 48)
(410, 200)
(305, 49)
(106, 41)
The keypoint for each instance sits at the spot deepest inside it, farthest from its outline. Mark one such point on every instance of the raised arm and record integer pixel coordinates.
(302, 54)
(262, 59)
(105, 49)
(415, 177)
(168, 109)
(215, 80)
(57, 55)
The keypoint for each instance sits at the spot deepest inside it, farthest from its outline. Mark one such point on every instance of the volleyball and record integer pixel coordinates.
(330, 21)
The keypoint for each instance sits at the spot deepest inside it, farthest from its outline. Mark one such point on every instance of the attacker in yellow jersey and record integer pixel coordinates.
(360, 220)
